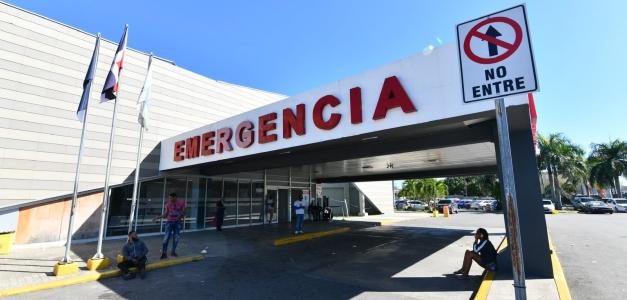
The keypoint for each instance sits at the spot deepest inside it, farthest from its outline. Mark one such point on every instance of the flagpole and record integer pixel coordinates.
(136, 183)
(105, 197)
(68, 242)
(139, 149)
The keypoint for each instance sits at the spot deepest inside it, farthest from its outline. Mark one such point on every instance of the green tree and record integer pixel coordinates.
(608, 162)
(559, 156)
(424, 189)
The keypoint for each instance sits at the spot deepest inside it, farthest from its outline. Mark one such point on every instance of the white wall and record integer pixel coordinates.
(8, 220)
(380, 194)
(42, 67)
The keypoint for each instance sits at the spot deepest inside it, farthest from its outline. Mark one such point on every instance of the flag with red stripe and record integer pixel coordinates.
(110, 88)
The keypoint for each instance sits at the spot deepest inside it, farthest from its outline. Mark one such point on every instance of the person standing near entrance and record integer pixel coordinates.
(175, 211)
(220, 214)
(299, 210)
(270, 210)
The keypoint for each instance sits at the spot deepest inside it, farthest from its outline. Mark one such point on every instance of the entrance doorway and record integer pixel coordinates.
(279, 198)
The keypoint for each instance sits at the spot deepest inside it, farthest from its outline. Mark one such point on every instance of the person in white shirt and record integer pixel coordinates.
(299, 209)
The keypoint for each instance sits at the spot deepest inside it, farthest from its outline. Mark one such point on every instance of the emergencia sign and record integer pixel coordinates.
(495, 56)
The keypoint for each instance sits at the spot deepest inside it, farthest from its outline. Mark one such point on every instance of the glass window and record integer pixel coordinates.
(119, 210)
(243, 202)
(195, 199)
(257, 205)
(230, 202)
(214, 194)
(150, 204)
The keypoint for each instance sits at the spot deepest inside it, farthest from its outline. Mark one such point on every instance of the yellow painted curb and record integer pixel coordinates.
(309, 236)
(94, 264)
(93, 276)
(62, 269)
(567, 211)
(558, 275)
(486, 283)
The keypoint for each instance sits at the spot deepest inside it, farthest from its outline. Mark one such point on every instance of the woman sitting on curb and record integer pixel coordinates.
(483, 253)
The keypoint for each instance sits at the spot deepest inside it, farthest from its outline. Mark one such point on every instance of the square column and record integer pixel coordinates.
(533, 229)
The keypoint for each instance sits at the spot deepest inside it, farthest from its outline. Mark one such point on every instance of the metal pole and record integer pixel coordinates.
(68, 243)
(131, 218)
(105, 198)
(513, 227)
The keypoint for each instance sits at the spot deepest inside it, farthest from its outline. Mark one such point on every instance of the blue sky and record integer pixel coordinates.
(292, 46)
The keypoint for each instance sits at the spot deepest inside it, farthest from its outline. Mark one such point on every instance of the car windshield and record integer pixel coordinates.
(621, 201)
(546, 202)
(586, 199)
(445, 201)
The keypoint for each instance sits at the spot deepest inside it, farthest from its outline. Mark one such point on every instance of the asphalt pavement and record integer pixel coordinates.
(592, 249)
(398, 262)
(409, 260)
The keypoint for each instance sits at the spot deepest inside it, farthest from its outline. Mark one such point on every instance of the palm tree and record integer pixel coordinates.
(558, 155)
(608, 162)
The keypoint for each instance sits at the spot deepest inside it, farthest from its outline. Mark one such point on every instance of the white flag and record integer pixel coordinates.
(143, 102)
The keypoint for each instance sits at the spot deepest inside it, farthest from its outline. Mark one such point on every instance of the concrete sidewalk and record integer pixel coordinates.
(387, 219)
(33, 264)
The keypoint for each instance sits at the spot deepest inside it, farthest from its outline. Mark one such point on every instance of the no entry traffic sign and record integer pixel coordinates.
(495, 56)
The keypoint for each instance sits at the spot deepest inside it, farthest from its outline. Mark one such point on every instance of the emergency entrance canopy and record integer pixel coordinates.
(413, 91)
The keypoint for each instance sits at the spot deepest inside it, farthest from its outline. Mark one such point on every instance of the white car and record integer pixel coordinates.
(548, 205)
(477, 204)
(618, 204)
(417, 205)
(484, 203)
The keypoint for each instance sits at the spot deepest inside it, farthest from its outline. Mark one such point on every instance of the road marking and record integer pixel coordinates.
(93, 276)
(486, 283)
(558, 275)
(309, 236)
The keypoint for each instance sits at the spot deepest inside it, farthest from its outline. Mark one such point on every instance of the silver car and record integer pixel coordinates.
(579, 203)
(618, 204)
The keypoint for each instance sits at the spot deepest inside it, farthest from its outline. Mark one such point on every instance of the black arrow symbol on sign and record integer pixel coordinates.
(492, 48)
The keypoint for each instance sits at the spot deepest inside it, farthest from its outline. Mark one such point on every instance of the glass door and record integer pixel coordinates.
(272, 206)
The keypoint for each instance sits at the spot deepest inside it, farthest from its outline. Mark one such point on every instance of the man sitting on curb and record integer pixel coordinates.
(134, 252)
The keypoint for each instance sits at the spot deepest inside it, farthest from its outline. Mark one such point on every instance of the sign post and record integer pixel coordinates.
(496, 60)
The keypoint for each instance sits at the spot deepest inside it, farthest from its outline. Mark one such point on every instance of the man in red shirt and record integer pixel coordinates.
(175, 210)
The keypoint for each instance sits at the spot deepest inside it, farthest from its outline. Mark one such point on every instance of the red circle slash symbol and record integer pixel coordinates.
(510, 48)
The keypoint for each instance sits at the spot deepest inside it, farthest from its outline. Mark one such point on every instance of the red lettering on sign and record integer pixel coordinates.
(192, 145)
(224, 139)
(266, 124)
(355, 98)
(207, 143)
(293, 121)
(318, 110)
(392, 96)
(244, 134)
(179, 149)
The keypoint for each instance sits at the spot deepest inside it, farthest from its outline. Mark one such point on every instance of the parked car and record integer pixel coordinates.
(492, 205)
(451, 205)
(401, 204)
(548, 205)
(595, 206)
(579, 202)
(617, 204)
(485, 203)
(417, 205)
(461, 203)
(475, 204)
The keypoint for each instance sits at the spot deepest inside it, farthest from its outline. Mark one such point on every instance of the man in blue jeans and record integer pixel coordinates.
(175, 210)
(299, 209)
